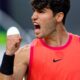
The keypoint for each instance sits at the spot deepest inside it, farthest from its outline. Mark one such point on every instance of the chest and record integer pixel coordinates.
(57, 65)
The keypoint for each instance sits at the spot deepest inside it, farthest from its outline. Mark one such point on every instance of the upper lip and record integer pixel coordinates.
(35, 23)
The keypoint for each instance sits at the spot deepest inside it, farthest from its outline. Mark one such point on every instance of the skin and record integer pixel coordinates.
(46, 22)
(51, 30)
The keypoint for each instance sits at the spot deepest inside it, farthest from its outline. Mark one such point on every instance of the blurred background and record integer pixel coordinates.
(18, 13)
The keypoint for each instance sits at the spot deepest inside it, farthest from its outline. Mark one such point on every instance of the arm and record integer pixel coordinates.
(20, 61)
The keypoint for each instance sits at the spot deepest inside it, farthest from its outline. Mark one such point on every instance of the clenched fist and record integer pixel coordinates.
(13, 41)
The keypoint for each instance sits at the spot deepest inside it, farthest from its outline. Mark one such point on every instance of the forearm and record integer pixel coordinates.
(5, 77)
(17, 71)
(6, 69)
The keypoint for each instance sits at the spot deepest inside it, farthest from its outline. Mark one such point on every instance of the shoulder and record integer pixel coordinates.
(23, 54)
(75, 37)
(24, 49)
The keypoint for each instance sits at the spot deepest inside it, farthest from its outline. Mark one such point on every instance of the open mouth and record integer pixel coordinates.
(37, 27)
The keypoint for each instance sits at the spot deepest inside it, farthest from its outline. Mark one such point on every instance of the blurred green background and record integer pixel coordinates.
(2, 36)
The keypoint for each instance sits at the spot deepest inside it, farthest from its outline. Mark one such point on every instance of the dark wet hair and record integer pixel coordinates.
(55, 5)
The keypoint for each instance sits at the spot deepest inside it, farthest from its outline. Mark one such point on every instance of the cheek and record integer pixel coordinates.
(46, 29)
(46, 18)
(49, 26)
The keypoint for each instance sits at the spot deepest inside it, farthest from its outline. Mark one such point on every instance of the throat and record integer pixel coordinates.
(57, 41)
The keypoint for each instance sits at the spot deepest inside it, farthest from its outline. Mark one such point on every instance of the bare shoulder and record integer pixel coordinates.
(23, 54)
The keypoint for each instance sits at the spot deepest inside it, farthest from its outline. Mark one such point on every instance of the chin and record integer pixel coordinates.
(38, 36)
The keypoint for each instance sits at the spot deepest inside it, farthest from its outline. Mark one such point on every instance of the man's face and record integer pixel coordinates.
(44, 22)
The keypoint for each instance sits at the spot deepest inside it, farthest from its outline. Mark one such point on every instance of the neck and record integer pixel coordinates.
(58, 38)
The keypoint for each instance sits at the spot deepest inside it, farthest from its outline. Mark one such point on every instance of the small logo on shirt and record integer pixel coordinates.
(56, 60)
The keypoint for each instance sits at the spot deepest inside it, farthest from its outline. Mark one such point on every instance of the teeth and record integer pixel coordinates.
(35, 23)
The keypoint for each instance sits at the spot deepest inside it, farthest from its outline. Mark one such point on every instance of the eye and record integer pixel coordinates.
(41, 11)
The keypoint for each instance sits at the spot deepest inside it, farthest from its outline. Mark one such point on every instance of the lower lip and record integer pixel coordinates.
(37, 31)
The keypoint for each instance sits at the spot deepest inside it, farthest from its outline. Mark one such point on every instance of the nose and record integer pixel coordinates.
(34, 16)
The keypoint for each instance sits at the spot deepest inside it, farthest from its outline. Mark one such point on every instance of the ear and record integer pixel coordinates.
(59, 16)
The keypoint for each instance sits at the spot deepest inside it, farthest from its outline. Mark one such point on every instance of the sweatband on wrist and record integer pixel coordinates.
(7, 64)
